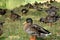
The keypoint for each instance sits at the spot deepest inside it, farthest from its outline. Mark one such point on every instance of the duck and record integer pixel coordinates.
(1, 26)
(34, 30)
(51, 1)
(50, 19)
(1, 31)
(24, 11)
(14, 16)
(3, 11)
(29, 5)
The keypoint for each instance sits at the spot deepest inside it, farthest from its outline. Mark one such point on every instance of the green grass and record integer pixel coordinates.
(10, 4)
(14, 30)
(2, 3)
(16, 3)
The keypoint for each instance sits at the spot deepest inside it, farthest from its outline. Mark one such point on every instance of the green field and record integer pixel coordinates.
(10, 4)
(14, 30)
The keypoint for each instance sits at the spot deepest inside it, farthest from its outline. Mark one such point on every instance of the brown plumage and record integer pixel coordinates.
(24, 11)
(14, 16)
(34, 29)
(3, 11)
(1, 26)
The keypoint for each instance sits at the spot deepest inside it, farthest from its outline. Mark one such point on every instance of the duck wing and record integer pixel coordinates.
(40, 29)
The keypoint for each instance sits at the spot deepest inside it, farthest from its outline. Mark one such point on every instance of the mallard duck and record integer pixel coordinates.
(24, 11)
(1, 31)
(3, 11)
(14, 16)
(36, 3)
(51, 1)
(50, 12)
(1, 24)
(29, 5)
(50, 19)
(35, 30)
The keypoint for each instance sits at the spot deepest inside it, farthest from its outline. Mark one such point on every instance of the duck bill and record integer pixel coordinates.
(24, 23)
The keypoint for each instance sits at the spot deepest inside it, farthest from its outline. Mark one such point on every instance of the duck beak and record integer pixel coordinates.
(24, 23)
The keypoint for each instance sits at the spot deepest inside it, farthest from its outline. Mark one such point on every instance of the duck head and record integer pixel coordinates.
(28, 21)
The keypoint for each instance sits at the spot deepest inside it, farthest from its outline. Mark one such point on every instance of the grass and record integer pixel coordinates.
(14, 30)
(10, 4)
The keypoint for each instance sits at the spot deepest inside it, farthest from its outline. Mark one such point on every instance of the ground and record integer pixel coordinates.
(14, 30)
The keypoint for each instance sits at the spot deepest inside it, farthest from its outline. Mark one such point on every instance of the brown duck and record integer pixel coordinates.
(34, 30)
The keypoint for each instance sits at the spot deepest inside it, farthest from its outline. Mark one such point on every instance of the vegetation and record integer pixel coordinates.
(2, 3)
(14, 30)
